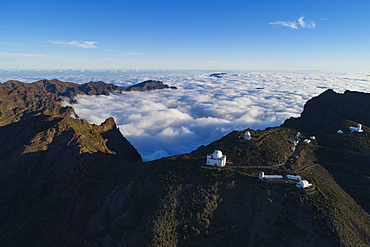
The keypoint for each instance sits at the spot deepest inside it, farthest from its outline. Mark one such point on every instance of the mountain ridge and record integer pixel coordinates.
(67, 182)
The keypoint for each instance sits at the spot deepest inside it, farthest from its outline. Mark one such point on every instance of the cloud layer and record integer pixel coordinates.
(204, 108)
(296, 24)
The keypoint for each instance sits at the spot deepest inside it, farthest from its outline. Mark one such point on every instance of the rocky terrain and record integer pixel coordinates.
(65, 182)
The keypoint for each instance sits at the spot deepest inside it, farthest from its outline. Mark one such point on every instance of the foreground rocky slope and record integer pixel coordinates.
(65, 182)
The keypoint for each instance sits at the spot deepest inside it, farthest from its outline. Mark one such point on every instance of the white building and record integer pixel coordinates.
(356, 129)
(261, 175)
(303, 184)
(247, 136)
(306, 141)
(216, 159)
(340, 132)
(293, 177)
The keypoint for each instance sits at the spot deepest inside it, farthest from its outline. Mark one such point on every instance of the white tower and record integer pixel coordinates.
(359, 126)
(358, 129)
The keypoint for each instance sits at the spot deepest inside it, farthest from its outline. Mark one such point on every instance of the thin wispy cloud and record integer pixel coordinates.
(15, 55)
(134, 54)
(291, 24)
(74, 43)
(296, 24)
(212, 62)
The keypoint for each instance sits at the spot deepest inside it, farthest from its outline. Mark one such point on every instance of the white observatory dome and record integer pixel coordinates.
(217, 154)
(303, 184)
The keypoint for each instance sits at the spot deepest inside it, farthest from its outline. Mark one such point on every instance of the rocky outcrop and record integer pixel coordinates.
(330, 107)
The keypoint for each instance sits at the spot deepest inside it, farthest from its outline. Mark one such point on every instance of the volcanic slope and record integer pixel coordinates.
(65, 182)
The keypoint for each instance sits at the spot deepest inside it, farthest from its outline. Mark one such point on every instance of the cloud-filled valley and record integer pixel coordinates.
(203, 108)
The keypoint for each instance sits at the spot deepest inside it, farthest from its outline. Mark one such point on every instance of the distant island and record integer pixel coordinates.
(66, 182)
(218, 75)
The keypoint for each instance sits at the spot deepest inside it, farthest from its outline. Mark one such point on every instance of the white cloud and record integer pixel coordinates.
(203, 108)
(296, 24)
(79, 44)
(291, 24)
(7, 54)
(134, 54)
(305, 24)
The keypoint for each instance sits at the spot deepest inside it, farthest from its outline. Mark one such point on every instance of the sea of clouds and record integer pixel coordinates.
(203, 108)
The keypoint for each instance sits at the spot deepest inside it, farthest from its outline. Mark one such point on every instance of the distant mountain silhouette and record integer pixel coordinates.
(149, 85)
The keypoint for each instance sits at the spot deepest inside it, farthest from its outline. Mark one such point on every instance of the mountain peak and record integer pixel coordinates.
(330, 107)
(149, 85)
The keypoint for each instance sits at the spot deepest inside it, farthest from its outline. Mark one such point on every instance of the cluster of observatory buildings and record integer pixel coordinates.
(218, 159)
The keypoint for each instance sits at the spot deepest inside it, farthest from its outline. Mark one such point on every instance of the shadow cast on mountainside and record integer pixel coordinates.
(351, 172)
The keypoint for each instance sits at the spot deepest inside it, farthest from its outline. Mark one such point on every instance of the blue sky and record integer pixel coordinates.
(185, 34)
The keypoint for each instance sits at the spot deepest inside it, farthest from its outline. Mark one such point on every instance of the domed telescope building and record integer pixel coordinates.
(216, 159)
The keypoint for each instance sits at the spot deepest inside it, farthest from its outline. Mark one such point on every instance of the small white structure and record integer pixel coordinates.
(303, 184)
(293, 177)
(261, 175)
(292, 149)
(356, 129)
(312, 137)
(340, 132)
(298, 134)
(216, 159)
(306, 141)
(247, 136)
